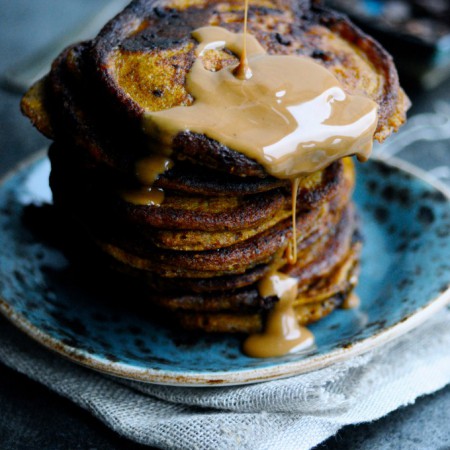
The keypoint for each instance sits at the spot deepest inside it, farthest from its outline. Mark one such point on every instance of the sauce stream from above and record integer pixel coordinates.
(145, 196)
(292, 244)
(243, 71)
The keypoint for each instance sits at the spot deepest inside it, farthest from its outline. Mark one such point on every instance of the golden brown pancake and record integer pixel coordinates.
(326, 270)
(206, 223)
(97, 92)
(224, 223)
(139, 252)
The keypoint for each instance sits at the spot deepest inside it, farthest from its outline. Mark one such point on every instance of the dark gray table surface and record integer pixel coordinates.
(31, 416)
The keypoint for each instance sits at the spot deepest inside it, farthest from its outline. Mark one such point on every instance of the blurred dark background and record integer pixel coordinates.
(416, 31)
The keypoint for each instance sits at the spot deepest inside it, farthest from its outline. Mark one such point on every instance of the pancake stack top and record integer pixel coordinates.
(214, 222)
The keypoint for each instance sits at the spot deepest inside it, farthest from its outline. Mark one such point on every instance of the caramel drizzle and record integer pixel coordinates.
(282, 333)
(148, 170)
(145, 196)
(293, 121)
(291, 251)
(243, 70)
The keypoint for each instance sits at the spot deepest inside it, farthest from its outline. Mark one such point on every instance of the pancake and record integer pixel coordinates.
(201, 241)
(321, 295)
(331, 293)
(97, 92)
(317, 257)
(150, 50)
(183, 177)
(326, 271)
(234, 219)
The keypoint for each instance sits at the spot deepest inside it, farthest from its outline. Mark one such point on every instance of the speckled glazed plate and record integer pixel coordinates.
(404, 279)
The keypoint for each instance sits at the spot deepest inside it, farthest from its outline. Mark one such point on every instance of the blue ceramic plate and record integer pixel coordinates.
(405, 278)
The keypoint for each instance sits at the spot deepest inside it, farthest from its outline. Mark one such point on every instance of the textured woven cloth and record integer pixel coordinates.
(294, 413)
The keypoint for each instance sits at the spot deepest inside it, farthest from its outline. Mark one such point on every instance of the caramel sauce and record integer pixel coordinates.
(291, 115)
(146, 196)
(286, 112)
(148, 169)
(282, 333)
(243, 71)
(352, 301)
(291, 252)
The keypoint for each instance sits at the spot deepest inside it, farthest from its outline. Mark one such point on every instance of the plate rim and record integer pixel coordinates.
(243, 376)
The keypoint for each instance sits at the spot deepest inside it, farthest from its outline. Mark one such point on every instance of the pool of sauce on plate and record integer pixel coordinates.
(282, 333)
(292, 116)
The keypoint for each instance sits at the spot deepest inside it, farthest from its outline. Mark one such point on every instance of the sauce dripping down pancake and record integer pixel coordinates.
(292, 116)
(147, 172)
(282, 333)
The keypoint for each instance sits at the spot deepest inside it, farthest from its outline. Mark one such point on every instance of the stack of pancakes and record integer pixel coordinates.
(224, 222)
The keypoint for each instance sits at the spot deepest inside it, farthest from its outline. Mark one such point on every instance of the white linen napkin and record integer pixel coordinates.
(295, 413)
